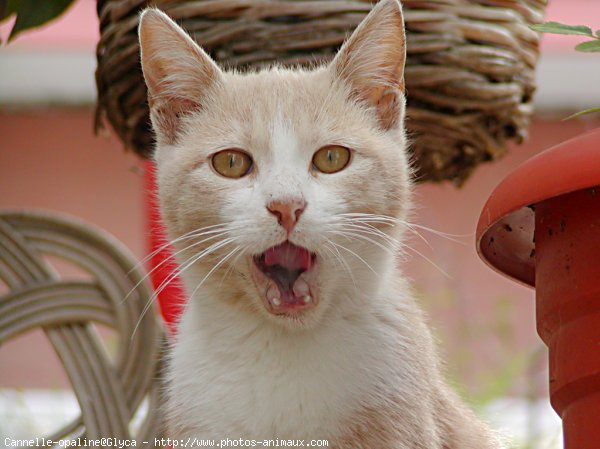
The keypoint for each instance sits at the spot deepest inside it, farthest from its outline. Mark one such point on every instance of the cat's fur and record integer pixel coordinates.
(360, 368)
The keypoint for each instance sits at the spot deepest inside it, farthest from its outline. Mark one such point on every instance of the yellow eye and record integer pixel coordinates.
(331, 158)
(232, 163)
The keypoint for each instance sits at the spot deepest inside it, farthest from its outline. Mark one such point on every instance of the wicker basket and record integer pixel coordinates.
(469, 75)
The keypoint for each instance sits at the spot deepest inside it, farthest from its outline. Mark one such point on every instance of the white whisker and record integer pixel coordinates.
(329, 245)
(223, 260)
(428, 260)
(171, 257)
(351, 224)
(452, 237)
(177, 272)
(191, 234)
(232, 264)
(356, 255)
(191, 261)
(366, 228)
(356, 233)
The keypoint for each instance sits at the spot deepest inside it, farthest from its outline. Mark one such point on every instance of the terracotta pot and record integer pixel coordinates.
(541, 227)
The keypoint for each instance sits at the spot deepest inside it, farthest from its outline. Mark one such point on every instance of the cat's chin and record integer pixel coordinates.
(285, 277)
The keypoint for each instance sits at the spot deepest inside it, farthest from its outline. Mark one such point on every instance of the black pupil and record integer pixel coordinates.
(232, 160)
(330, 155)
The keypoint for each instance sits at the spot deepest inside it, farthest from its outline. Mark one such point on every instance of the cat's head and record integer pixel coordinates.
(282, 188)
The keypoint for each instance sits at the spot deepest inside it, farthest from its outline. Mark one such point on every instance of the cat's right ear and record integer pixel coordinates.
(372, 62)
(177, 71)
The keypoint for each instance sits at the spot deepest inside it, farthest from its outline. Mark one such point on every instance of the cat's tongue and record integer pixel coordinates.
(288, 256)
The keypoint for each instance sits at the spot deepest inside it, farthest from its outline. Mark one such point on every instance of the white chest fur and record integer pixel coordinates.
(231, 376)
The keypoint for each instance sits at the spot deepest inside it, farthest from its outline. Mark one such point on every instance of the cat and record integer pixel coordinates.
(285, 192)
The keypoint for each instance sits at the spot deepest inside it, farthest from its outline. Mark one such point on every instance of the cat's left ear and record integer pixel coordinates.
(372, 62)
(177, 71)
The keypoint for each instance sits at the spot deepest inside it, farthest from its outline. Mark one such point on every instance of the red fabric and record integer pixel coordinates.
(171, 298)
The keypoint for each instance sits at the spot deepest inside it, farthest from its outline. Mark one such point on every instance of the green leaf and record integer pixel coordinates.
(4, 13)
(33, 13)
(598, 33)
(589, 46)
(561, 28)
(7, 8)
(580, 113)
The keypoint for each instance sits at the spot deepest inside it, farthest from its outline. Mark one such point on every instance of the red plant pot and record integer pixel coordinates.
(541, 227)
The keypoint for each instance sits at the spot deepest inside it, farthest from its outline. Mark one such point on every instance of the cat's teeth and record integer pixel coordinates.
(307, 299)
(301, 287)
(273, 295)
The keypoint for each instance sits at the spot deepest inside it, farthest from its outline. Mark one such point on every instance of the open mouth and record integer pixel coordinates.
(286, 267)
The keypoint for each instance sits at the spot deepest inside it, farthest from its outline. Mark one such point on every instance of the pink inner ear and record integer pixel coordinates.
(166, 114)
(185, 105)
(389, 107)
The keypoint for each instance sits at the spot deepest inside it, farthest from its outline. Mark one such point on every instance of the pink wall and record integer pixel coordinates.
(51, 159)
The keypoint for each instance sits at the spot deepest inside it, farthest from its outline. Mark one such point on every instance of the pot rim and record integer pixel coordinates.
(504, 236)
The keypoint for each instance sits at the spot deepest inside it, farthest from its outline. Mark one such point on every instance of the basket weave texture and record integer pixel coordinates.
(112, 292)
(469, 74)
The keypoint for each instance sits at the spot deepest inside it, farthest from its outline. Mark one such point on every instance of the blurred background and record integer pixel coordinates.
(485, 324)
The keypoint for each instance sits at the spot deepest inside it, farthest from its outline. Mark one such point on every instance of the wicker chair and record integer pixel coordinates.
(109, 390)
(469, 76)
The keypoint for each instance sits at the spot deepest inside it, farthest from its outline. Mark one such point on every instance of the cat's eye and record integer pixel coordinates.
(232, 163)
(331, 158)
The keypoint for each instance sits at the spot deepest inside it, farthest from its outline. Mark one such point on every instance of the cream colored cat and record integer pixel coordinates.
(285, 192)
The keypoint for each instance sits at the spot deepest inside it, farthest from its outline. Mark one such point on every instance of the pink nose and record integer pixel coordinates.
(287, 212)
